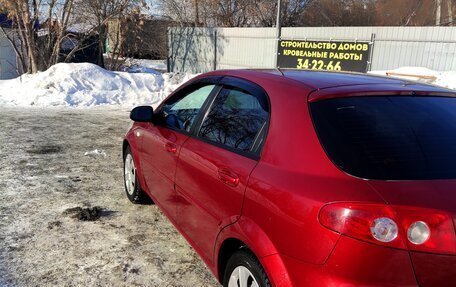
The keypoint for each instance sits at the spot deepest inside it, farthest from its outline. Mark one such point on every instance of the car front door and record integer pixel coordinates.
(215, 163)
(162, 141)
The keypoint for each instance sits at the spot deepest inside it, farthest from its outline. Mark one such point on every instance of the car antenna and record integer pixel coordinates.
(278, 70)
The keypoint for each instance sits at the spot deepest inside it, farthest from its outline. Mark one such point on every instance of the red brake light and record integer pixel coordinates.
(442, 238)
(418, 229)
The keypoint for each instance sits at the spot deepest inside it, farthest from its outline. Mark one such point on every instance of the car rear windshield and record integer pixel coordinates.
(389, 138)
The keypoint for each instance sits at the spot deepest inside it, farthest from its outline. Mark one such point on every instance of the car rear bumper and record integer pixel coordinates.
(434, 270)
(355, 263)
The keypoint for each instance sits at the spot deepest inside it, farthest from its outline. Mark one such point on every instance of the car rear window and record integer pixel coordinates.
(389, 138)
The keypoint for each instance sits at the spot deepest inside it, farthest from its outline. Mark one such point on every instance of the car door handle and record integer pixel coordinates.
(170, 147)
(228, 177)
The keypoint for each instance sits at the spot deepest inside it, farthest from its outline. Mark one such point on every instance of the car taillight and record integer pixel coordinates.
(410, 228)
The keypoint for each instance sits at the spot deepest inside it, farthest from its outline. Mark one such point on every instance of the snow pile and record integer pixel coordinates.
(444, 79)
(86, 85)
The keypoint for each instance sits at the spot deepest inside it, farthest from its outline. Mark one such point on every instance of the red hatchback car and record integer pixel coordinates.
(301, 178)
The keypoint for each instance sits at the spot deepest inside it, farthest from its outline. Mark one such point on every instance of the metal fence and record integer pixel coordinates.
(199, 50)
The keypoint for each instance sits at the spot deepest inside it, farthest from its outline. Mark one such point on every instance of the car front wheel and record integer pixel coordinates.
(244, 270)
(132, 187)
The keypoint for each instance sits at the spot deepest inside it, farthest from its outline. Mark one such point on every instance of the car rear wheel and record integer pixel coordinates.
(244, 270)
(132, 187)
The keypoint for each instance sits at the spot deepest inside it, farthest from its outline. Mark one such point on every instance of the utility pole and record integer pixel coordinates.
(438, 12)
(278, 21)
(450, 12)
(278, 29)
(197, 20)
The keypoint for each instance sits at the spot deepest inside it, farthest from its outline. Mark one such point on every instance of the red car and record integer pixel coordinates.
(301, 178)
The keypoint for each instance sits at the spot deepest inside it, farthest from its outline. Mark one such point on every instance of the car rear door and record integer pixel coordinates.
(174, 121)
(215, 163)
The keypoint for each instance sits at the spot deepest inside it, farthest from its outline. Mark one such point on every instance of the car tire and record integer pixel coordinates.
(244, 262)
(132, 187)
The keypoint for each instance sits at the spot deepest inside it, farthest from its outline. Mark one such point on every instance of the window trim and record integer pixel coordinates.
(185, 91)
(221, 82)
(230, 82)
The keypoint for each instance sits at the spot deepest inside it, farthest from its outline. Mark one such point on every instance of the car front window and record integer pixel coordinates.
(181, 114)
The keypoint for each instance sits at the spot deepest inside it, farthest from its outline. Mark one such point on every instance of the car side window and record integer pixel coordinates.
(180, 113)
(235, 119)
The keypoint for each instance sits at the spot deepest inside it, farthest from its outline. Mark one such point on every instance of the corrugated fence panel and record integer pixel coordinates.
(245, 48)
(204, 49)
(431, 47)
(191, 49)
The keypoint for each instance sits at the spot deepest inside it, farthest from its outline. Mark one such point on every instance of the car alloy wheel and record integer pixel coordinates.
(130, 174)
(242, 277)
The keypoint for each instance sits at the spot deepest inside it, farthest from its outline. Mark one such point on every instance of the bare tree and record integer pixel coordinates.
(42, 26)
(265, 12)
(181, 11)
(26, 15)
(252, 13)
(234, 13)
(98, 13)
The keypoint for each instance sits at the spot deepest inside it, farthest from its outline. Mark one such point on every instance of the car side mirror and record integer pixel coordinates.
(142, 114)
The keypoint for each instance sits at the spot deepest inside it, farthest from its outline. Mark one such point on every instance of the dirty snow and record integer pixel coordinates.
(95, 153)
(444, 79)
(87, 85)
(144, 66)
(64, 217)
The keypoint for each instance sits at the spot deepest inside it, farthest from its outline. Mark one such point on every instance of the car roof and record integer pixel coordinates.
(327, 79)
(327, 84)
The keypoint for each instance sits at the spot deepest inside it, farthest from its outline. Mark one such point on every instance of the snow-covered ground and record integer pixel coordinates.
(53, 162)
(86, 85)
(444, 79)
